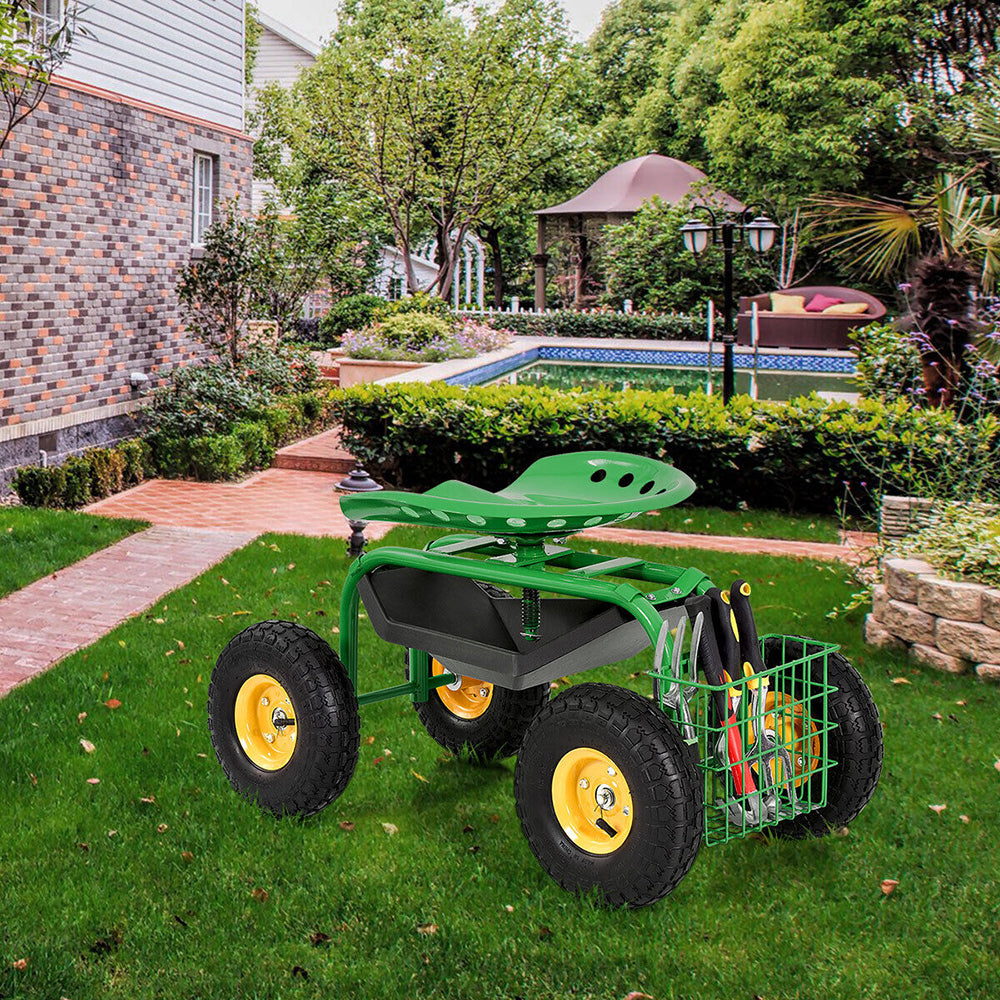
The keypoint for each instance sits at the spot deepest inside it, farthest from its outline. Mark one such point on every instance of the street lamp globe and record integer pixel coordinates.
(761, 233)
(695, 233)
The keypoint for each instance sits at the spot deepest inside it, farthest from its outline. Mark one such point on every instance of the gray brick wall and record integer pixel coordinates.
(95, 220)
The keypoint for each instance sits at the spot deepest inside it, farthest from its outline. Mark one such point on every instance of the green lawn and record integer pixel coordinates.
(752, 523)
(34, 543)
(105, 894)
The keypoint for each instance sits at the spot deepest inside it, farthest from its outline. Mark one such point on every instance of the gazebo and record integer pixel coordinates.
(617, 195)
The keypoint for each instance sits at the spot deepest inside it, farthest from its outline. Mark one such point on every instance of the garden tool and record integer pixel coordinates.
(677, 697)
(711, 661)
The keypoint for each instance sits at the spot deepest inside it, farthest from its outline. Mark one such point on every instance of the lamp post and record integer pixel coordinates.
(728, 231)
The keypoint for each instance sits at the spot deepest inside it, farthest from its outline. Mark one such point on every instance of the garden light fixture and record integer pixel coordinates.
(728, 230)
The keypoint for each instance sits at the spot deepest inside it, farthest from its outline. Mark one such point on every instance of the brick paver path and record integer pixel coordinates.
(75, 606)
(282, 500)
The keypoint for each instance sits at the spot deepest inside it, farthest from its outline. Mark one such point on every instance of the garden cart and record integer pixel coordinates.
(615, 791)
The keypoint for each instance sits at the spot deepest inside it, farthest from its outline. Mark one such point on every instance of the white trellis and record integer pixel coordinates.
(468, 285)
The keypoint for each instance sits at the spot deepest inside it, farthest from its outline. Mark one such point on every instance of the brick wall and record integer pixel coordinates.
(95, 220)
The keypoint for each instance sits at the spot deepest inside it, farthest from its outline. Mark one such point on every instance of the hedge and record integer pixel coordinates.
(807, 455)
(598, 324)
(95, 474)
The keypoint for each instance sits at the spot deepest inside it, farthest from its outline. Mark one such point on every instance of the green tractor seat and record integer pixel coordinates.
(557, 495)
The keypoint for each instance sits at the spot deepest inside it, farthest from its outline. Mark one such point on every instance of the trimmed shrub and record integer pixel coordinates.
(601, 324)
(78, 482)
(107, 471)
(138, 458)
(351, 313)
(216, 456)
(38, 487)
(171, 455)
(806, 455)
(255, 442)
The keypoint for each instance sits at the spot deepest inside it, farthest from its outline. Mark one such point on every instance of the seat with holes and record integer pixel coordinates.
(555, 496)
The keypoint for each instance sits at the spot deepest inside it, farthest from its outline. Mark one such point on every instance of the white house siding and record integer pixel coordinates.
(183, 55)
(278, 60)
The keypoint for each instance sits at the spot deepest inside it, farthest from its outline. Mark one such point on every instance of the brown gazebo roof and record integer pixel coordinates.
(623, 189)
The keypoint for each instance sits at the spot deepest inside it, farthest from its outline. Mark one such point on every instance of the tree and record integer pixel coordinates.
(217, 290)
(787, 98)
(32, 46)
(435, 115)
(948, 241)
(645, 260)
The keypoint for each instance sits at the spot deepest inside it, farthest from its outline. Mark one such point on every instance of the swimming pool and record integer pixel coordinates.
(686, 368)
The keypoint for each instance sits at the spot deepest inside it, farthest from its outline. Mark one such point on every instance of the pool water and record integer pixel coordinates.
(769, 384)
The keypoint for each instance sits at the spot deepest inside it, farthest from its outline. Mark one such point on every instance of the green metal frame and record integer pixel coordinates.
(517, 562)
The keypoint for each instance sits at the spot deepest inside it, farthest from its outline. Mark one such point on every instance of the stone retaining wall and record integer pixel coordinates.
(945, 624)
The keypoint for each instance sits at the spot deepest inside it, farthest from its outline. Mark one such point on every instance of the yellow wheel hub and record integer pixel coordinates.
(785, 720)
(265, 722)
(592, 801)
(465, 696)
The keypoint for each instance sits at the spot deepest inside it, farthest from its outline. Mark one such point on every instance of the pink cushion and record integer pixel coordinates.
(819, 302)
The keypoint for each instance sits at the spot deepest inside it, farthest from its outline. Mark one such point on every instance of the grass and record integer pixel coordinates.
(752, 523)
(107, 895)
(34, 543)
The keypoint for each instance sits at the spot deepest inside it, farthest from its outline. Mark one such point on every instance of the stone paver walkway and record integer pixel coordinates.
(282, 500)
(72, 608)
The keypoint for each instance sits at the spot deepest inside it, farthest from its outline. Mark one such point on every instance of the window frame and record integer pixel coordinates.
(203, 196)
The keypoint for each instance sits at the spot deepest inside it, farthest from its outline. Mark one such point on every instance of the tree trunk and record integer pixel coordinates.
(492, 237)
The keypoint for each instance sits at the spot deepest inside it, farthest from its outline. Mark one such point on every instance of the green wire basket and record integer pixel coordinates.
(781, 717)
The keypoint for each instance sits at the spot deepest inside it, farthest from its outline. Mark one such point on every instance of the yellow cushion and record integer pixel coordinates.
(788, 303)
(846, 309)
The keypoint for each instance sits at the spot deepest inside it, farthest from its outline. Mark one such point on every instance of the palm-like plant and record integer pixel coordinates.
(949, 242)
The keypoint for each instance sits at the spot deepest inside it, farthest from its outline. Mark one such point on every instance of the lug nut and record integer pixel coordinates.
(625, 810)
(483, 692)
(268, 737)
(584, 783)
(264, 702)
(611, 772)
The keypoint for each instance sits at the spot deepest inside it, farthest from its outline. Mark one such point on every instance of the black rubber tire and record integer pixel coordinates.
(855, 745)
(326, 710)
(496, 734)
(664, 779)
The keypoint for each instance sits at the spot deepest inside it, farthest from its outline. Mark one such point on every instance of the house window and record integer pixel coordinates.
(48, 18)
(203, 200)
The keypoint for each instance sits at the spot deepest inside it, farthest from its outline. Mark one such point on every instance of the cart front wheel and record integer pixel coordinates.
(609, 795)
(488, 720)
(283, 718)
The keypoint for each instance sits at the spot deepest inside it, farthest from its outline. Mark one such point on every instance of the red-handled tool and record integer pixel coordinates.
(715, 674)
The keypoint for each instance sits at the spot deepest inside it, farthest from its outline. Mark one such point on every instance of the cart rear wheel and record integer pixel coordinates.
(609, 795)
(855, 744)
(488, 720)
(283, 718)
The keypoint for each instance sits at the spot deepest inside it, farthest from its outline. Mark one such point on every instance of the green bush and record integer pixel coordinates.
(216, 456)
(962, 542)
(351, 313)
(171, 456)
(255, 442)
(138, 458)
(420, 302)
(40, 487)
(601, 324)
(408, 336)
(95, 474)
(888, 365)
(806, 455)
(107, 471)
(78, 483)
